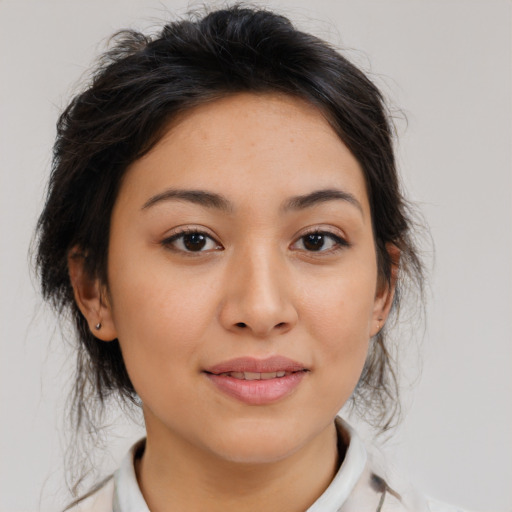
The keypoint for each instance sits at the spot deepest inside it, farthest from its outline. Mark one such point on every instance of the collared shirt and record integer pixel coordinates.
(356, 487)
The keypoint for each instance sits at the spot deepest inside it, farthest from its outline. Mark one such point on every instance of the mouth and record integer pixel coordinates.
(255, 375)
(251, 368)
(257, 381)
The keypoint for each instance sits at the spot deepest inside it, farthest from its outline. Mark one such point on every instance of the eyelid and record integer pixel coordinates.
(340, 239)
(181, 231)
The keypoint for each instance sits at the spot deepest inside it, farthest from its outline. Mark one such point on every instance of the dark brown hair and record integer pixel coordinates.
(137, 88)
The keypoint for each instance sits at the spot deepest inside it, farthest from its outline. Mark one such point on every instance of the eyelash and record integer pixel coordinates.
(169, 243)
(339, 242)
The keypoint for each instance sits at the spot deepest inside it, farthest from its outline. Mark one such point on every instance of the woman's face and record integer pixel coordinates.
(243, 278)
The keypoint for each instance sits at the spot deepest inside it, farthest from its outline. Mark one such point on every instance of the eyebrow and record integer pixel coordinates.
(200, 197)
(321, 196)
(219, 202)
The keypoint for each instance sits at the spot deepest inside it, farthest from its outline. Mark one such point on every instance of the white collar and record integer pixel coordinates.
(349, 473)
(128, 497)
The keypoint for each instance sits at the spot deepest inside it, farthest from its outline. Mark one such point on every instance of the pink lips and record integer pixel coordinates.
(257, 381)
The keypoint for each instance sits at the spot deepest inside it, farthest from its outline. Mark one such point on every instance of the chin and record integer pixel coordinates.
(255, 452)
(258, 444)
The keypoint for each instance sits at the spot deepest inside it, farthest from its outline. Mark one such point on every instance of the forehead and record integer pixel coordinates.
(248, 145)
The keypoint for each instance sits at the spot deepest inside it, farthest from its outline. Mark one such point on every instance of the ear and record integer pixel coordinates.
(91, 297)
(385, 292)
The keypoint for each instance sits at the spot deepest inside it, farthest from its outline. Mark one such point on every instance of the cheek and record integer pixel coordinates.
(160, 319)
(342, 308)
(339, 317)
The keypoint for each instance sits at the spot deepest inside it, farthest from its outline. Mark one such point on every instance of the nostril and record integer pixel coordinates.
(241, 324)
(281, 324)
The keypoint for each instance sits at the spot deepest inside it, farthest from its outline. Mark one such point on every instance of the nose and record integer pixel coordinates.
(258, 295)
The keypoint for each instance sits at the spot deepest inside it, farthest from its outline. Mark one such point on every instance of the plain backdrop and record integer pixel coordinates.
(448, 65)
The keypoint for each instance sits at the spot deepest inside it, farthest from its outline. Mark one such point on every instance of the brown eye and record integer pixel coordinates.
(313, 241)
(191, 241)
(194, 241)
(320, 241)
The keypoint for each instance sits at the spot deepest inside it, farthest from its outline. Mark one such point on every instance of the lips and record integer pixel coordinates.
(255, 375)
(254, 365)
(257, 381)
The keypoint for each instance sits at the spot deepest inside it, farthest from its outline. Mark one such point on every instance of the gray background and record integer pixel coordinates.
(448, 65)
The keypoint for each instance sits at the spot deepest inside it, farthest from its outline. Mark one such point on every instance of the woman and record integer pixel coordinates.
(224, 222)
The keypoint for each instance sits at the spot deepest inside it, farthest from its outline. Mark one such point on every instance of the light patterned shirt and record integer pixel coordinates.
(357, 487)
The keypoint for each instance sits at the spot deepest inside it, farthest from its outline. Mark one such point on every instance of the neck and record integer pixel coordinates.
(173, 476)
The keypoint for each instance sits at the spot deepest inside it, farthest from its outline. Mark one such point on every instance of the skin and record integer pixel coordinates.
(255, 289)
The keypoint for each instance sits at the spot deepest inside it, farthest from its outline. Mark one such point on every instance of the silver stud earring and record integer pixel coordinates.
(98, 326)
